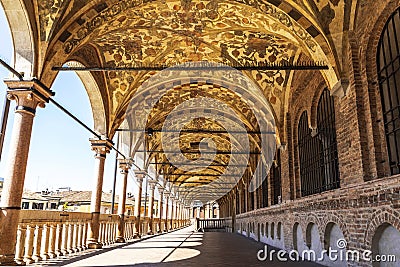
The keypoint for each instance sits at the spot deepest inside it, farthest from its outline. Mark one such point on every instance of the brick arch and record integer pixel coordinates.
(368, 62)
(332, 218)
(314, 104)
(389, 216)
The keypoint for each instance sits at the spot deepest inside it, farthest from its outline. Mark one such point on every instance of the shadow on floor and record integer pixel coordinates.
(210, 249)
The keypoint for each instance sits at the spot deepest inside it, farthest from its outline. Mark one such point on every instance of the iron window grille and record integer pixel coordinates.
(275, 175)
(318, 151)
(388, 63)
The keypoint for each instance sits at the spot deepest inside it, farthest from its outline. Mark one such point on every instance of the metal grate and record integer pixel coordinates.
(388, 62)
(275, 174)
(318, 153)
(327, 135)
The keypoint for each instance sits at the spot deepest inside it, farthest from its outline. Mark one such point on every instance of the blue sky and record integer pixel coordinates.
(60, 153)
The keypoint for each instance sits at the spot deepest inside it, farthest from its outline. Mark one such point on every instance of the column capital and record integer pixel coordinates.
(152, 184)
(160, 189)
(140, 174)
(101, 147)
(125, 164)
(28, 94)
(167, 194)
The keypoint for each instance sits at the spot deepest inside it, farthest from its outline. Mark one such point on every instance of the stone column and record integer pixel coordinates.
(124, 165)
(138, 202)
(166, 194)
(28, 96)
(160, 207)
(101, 148)
(152, 185)
(172, 213)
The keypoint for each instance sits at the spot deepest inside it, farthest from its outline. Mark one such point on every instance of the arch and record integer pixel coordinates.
(389, 77)
(279, 231)
(368, 62)
(95, 98)
(378, 218)
(272, 230)
(262, 229)
(384, 243)
(298, 240)
(23, 36)
(313, 239)
(267, 229)
(333, 237)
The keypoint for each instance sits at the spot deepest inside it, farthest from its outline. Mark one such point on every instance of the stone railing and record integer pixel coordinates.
(48, 234)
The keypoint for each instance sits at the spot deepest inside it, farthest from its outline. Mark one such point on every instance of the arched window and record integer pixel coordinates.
(275, 174)
(318, 151)
(310, 150)
(327, 135)
(388, 63)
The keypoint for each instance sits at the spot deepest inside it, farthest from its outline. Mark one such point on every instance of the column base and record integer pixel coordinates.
(136, 236)
(150, 233)
(95, 245)
(120, 240)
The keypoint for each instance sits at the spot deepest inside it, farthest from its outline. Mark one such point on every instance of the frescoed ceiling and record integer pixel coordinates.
(119, 34)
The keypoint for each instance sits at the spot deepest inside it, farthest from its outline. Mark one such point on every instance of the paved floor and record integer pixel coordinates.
(182, 248)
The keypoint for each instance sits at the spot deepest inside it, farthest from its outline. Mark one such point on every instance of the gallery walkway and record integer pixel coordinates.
(181, 248)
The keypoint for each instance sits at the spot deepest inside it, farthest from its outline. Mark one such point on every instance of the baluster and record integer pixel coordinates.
(84, 233)
(64, 239)
(75, 237)
(101, 233)
(28, 244)
(20, 245)
(52, 241)
(69, 238)
(44, 253)
(59, 236)
(112, 232)
(79, 240)
(107, 235)
(36, 243)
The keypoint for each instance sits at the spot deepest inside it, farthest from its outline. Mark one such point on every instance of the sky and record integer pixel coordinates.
(60, 153)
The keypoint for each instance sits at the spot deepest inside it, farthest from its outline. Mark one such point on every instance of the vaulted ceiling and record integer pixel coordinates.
(115, 34)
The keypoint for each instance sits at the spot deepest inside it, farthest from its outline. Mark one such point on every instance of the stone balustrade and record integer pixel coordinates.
(44, 235)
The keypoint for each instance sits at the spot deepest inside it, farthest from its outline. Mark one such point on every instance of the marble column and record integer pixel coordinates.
(160, 207)
(166, 194)
(101, 148)
(171, 226)
(28, 96)
(152, 186)
(124, 165)
(138, 202)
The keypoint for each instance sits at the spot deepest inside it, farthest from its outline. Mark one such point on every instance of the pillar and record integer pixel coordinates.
(28, 96)
(101, 148)
(138, 202)
(166, 194)
(124, 165)
(160, 208)
(152, 185)
(172, 212)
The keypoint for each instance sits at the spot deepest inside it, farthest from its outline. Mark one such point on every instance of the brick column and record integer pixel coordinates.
(160, 207)
(152, 185)
(28, 96)
(124, 165)
(101, 148)
(138, 202)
